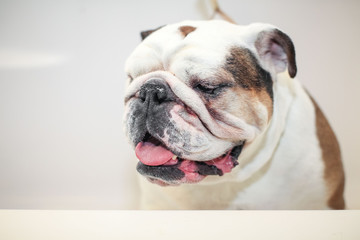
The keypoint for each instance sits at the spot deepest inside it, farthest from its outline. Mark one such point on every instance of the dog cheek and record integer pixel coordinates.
(252, 106)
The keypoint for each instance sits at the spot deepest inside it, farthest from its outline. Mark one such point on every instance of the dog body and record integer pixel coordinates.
(217, 124)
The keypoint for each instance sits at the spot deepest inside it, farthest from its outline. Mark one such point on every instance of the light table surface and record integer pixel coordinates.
(173, 225)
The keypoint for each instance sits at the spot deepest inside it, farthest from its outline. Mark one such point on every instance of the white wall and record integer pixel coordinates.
(62, 83)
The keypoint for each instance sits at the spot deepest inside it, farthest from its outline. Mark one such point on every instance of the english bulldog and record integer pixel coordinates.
(218, 121)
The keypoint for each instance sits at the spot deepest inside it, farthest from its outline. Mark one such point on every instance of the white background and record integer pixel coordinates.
(62, 83)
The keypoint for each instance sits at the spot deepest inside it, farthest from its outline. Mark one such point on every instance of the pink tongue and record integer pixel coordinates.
(152, 155)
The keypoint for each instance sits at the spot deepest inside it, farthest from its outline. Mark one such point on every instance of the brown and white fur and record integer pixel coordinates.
(291, 158)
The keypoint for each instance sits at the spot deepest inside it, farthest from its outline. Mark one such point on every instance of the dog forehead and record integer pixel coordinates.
(199, 30)
(203, 44)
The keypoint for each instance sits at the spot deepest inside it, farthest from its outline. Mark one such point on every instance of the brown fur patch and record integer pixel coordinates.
(256, 83)
(247, 72)
(334, 173)
(185, 30)
(239, 103)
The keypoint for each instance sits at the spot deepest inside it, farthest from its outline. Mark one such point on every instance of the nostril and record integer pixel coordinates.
(142, 94)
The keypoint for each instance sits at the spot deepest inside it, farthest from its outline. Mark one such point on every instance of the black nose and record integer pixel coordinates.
(156, 91)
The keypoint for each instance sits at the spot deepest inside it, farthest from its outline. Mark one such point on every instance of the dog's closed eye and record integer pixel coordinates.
(211, 90)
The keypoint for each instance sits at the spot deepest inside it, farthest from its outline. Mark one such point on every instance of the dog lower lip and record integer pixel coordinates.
(174, 173)
(205, 169)
(236, 151)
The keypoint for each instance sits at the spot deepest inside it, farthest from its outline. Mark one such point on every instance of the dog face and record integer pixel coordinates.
(199, 92)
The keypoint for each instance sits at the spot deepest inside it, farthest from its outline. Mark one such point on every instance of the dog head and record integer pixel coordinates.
(199, 92)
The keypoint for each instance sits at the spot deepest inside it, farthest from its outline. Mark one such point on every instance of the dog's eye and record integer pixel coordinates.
(211, 90)
(206, 89)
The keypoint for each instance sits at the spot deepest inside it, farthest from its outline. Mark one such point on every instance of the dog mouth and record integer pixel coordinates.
(161, 166)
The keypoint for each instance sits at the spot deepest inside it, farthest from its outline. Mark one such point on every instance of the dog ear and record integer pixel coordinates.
(145, 34)
(277, 51)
